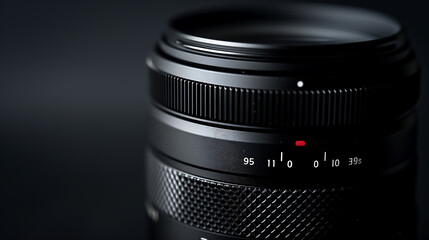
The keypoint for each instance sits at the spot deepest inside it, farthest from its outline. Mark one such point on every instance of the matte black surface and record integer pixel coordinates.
(245, 211)
(73, 87)
(360, 104)
(188, 205)
(220, 149)
(296, 191)
(285, 84)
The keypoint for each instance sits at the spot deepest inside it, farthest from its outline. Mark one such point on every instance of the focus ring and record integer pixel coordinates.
(245, 211)
(279, 108)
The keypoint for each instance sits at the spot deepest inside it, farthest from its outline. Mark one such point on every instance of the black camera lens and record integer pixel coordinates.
(294, 121)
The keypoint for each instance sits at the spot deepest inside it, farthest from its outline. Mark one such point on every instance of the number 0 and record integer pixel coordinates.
(316, 164)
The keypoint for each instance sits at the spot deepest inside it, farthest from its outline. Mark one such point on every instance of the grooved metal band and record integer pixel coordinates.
(271, 108)
(245, 211)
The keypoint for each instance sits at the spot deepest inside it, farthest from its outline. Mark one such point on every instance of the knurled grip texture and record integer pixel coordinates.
(245, 211)
(282, 108)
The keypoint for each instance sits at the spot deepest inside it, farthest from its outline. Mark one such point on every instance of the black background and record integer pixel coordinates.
(73, 98)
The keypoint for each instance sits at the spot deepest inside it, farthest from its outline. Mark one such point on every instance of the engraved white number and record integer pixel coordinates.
(316, 164)
(335, 162)
(289, 164)
(249, 161)
(271, 163)
(355, 161)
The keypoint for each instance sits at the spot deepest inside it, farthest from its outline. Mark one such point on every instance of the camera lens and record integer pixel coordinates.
(293, 121)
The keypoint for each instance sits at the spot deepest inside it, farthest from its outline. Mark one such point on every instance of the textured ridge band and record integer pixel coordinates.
(245, 211)
(274, 108)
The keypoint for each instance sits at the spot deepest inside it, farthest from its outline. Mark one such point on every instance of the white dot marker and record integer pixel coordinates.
(300, 83)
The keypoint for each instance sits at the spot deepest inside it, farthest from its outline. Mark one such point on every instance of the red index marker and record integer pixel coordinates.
(300, 143)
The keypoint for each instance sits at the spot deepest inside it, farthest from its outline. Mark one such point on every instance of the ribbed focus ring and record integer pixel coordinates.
(245, 211)
(272, 108)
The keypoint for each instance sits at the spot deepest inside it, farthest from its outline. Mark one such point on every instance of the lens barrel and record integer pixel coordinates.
(294, 121)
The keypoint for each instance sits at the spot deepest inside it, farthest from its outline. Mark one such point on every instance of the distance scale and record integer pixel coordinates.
(306, 159)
